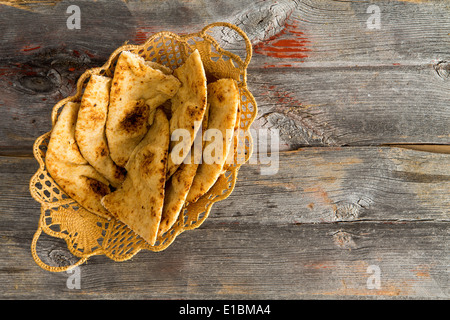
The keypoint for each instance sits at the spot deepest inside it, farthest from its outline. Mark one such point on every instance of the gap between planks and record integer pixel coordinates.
(433, 148)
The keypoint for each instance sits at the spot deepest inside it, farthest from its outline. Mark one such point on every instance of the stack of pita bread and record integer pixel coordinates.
(112, 151)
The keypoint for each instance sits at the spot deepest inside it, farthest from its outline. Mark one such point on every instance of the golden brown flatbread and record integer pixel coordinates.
(223, 97)
(139, 201)
(136, 90)
(177, 187)
(90, 129)
(69, 169)
(236, 155)
(188, 108)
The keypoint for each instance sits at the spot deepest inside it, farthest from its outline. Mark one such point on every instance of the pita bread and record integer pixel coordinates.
(158, 66)
(177, 187)
(237, 148)
(69, 169)
(138, 202)
(188, 106)
(136, 90)
(90, 129)
(223, 97)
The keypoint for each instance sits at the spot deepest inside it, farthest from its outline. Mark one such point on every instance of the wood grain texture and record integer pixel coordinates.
(311, 185)
(321, 185)
(296, 234)
(310, 107)
(340, 201)
(241, 261)
(357, 106)
(366, 86)
(332, 33)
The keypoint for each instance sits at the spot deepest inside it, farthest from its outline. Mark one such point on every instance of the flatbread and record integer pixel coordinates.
(177, 187)
(223, 97)
(136, 90)
(237, 149)
(158, 66)
(188, 107)
(69, 169)
(90, 129)
(138, 202)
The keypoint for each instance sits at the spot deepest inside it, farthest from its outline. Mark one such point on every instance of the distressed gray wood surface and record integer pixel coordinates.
(241, 261)
(357, 106)
(366, 86)
(311, 185)
(310, 233)
(337, 207)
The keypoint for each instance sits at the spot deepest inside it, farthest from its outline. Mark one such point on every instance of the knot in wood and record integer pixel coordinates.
(442, 69)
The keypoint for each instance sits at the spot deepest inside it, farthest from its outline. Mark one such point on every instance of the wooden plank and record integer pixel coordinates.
(310, 106)
(314, 229)
(28, 33)
(357, 106)
(336, 33)
(311, 185)
(242, 261)
(330, 32)
(317, 185)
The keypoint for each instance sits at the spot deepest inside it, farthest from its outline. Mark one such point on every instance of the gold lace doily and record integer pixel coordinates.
(87, 234)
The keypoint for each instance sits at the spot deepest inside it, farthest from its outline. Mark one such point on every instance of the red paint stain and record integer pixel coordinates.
(17, 69)
(140, 37)
(30, 48)
(280, 65)
(90, 55)
(25, 69)
(5, 71)
(290, 43)
(143, 32)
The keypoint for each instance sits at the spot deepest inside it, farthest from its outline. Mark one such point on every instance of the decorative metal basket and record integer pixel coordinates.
(87, 234)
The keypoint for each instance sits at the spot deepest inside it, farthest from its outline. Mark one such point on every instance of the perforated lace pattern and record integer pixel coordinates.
(87, 234)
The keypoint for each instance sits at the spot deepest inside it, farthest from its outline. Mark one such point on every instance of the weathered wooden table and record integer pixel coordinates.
(360, 203)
